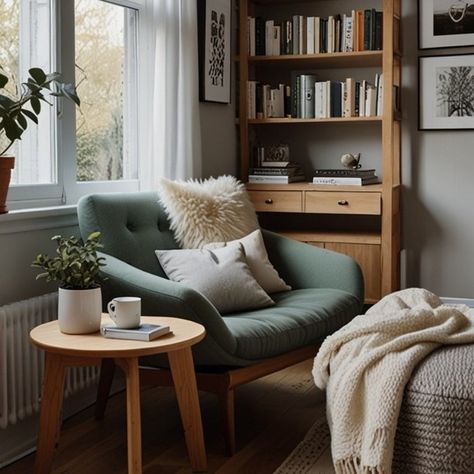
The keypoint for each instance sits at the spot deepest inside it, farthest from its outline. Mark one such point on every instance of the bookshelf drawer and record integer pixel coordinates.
(277, 201)
(343, 203)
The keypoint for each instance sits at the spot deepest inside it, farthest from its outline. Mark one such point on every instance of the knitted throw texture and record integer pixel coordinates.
(365, 366)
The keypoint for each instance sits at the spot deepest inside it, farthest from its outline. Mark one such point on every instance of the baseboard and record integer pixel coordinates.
(467, 301)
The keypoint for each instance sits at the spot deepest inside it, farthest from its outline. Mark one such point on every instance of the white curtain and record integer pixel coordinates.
(174, 134)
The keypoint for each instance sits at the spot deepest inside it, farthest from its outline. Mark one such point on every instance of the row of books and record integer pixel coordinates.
(309, 98)
(362, 30)
(289, 172)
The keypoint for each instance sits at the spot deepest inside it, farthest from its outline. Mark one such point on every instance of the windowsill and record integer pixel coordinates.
(24, 220)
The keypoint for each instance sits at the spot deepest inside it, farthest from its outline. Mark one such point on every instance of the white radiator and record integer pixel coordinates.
(21, 364)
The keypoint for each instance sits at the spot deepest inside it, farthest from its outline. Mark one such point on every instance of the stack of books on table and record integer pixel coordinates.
(276, 172)
(345, 177)
(145, 332)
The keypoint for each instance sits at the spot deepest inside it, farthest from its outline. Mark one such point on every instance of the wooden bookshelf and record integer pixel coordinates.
(376, 249)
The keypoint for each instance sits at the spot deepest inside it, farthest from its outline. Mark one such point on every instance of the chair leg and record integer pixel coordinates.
(226, 402)
(107, 370)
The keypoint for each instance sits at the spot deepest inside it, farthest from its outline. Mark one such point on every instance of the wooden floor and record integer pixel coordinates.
(272, 416)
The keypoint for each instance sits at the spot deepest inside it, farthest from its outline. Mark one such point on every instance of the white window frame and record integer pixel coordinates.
(68, 190)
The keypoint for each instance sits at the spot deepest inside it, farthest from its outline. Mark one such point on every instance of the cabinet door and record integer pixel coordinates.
(368, 257)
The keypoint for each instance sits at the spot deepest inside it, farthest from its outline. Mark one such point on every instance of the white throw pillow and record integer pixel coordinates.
(257, 259)
(222, 275)
(213, 210)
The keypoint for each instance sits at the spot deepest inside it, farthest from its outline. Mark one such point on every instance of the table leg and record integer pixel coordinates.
(184, 378)
(134, 441)
(51, 409)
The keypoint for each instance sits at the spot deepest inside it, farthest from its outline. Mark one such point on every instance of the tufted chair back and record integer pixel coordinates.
(133, 226)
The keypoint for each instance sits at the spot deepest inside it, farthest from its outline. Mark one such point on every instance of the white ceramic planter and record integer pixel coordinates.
(79, 311)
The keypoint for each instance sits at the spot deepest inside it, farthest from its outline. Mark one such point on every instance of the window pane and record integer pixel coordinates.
(25, 42)
(106, 83)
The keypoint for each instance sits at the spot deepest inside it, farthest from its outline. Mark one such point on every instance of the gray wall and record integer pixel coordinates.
(438, 170)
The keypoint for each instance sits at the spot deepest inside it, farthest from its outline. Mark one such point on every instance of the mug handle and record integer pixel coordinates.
(111, 310)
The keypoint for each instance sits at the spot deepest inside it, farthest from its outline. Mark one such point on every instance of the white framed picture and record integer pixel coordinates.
(445, 23)
(446, 92)
(214, 26)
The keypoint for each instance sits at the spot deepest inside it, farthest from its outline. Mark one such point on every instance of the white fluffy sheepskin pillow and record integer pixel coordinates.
(213, 210)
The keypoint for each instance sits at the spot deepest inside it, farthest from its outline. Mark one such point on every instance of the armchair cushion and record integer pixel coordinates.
(201, 212)
(299, 318)
(221, 275)
(257, 259)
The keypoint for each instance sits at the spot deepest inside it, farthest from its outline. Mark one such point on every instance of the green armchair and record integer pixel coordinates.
(238, 347)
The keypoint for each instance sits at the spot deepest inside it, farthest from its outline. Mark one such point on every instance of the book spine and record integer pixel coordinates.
(252, 38)
(360, 30)
(259, 36)
(288, 46)
(259, 101)
(337, 180)
(380, 96)
(310, 35)
(367, 33)
(287, 104)
(296, 35)
(269, 32)
(357, 99)
(372, 28)
(378, 31)
(276, 40)
(302, 35)
(317, 35)
(331, 38)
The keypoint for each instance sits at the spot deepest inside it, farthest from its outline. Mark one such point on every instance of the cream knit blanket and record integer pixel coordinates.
(365, 366)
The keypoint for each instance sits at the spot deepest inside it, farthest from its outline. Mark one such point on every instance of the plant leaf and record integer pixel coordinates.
(3, 80)
(12, 130)
(30, 115)
(37, 74)
(36, 105)
(22, 121)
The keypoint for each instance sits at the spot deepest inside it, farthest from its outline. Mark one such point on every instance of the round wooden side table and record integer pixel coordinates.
(64, 350)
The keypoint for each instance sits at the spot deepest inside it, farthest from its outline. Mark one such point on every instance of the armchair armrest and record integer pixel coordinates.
(304, 266)
(161, 296)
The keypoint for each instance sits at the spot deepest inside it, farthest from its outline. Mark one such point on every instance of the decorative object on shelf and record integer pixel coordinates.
(76, 267)
(214, 29)
(444, 103)
(278, 153)
(445, 24)
(351, 161)
(14, 112)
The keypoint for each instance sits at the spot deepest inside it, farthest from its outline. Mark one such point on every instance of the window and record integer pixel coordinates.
(74, 151)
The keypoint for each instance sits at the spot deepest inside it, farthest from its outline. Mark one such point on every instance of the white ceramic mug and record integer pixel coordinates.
(125, 311)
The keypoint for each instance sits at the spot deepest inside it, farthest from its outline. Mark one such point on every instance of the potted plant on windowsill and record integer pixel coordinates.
(76, 267)
(15, 112)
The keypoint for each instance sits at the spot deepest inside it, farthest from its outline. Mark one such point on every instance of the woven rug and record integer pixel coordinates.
(312, 455)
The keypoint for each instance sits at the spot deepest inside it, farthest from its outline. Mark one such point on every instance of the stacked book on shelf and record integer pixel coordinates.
(266, 102)
(273, 166)
(361, 30)
(309, 98)
(345, 177)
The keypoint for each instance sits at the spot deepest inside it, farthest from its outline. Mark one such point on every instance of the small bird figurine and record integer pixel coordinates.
(351, 161)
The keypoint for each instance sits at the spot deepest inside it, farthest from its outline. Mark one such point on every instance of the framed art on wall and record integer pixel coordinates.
(446, 92)
(214, 27)
(445, 23)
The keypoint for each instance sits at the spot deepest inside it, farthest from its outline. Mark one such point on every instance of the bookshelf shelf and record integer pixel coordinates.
(361, 221)
(340, 60)
(270, 121)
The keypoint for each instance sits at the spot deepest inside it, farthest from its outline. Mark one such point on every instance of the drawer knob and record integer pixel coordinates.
(268, 201)
(343, 202)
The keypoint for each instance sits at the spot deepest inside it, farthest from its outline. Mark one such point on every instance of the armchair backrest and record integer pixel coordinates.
(132, 226)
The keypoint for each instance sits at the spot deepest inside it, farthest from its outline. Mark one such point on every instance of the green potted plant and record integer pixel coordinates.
(15, 112)
(76, 267)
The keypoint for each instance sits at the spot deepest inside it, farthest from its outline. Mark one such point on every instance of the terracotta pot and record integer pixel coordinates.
(79, 311)
(6, 165)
